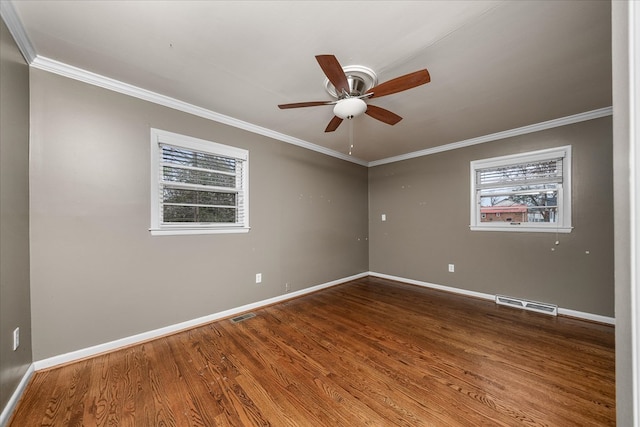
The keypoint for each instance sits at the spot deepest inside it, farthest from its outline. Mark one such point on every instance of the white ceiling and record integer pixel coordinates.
(494, 65)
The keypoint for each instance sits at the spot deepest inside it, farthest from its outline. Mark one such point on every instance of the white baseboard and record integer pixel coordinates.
(434, 286)
(157, 333)
(587, 316)
(15, 397)
(561, 311)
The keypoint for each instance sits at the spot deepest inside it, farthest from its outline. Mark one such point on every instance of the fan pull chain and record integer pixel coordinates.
(350, 136)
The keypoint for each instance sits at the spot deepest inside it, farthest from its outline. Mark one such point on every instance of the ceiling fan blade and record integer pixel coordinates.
(401, 83)
(333, 124)
(333, 70)
(305, 104)
(383, 115)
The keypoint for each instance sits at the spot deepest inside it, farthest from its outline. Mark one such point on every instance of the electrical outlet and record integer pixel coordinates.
(452, 268)
(259, 278)
(287, 287)
(16, 338)
(383, 217)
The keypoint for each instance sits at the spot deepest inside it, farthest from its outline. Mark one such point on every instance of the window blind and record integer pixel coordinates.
(201, 188)
(522, 174)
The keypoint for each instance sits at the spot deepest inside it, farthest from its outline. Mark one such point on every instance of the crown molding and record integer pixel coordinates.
(62, 69)
(11, 19)
(550, 124)
(14, 24)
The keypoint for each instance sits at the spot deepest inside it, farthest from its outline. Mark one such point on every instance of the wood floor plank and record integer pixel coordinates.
(362, 381)
(370, 352)
(302, 378)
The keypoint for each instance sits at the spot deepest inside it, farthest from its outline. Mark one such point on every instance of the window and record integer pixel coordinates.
(197, 186)
(522, 192)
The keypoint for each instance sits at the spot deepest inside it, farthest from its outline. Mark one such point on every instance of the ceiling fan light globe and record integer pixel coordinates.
(349, 108)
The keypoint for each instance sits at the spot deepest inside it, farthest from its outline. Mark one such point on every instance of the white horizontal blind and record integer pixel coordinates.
(520, 175)
(200, 188)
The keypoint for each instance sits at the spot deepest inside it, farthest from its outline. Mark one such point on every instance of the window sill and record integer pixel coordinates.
(195, 231)
(521, 228)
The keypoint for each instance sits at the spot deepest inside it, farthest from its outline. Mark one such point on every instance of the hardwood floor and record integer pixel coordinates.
(370, 352)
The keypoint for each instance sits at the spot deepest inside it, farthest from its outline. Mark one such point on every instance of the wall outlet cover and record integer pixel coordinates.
(16, 338)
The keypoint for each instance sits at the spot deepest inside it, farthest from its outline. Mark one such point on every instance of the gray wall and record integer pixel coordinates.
(426, 201)
(14, 215)
(98, 275)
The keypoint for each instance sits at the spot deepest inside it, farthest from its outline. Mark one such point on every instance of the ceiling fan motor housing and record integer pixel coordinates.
(357, 86)
(359, 78)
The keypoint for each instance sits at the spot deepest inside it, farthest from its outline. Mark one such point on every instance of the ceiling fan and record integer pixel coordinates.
(351, 86)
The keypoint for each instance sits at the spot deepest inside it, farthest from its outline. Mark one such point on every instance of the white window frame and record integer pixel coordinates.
(161, 137)
(563, 225)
